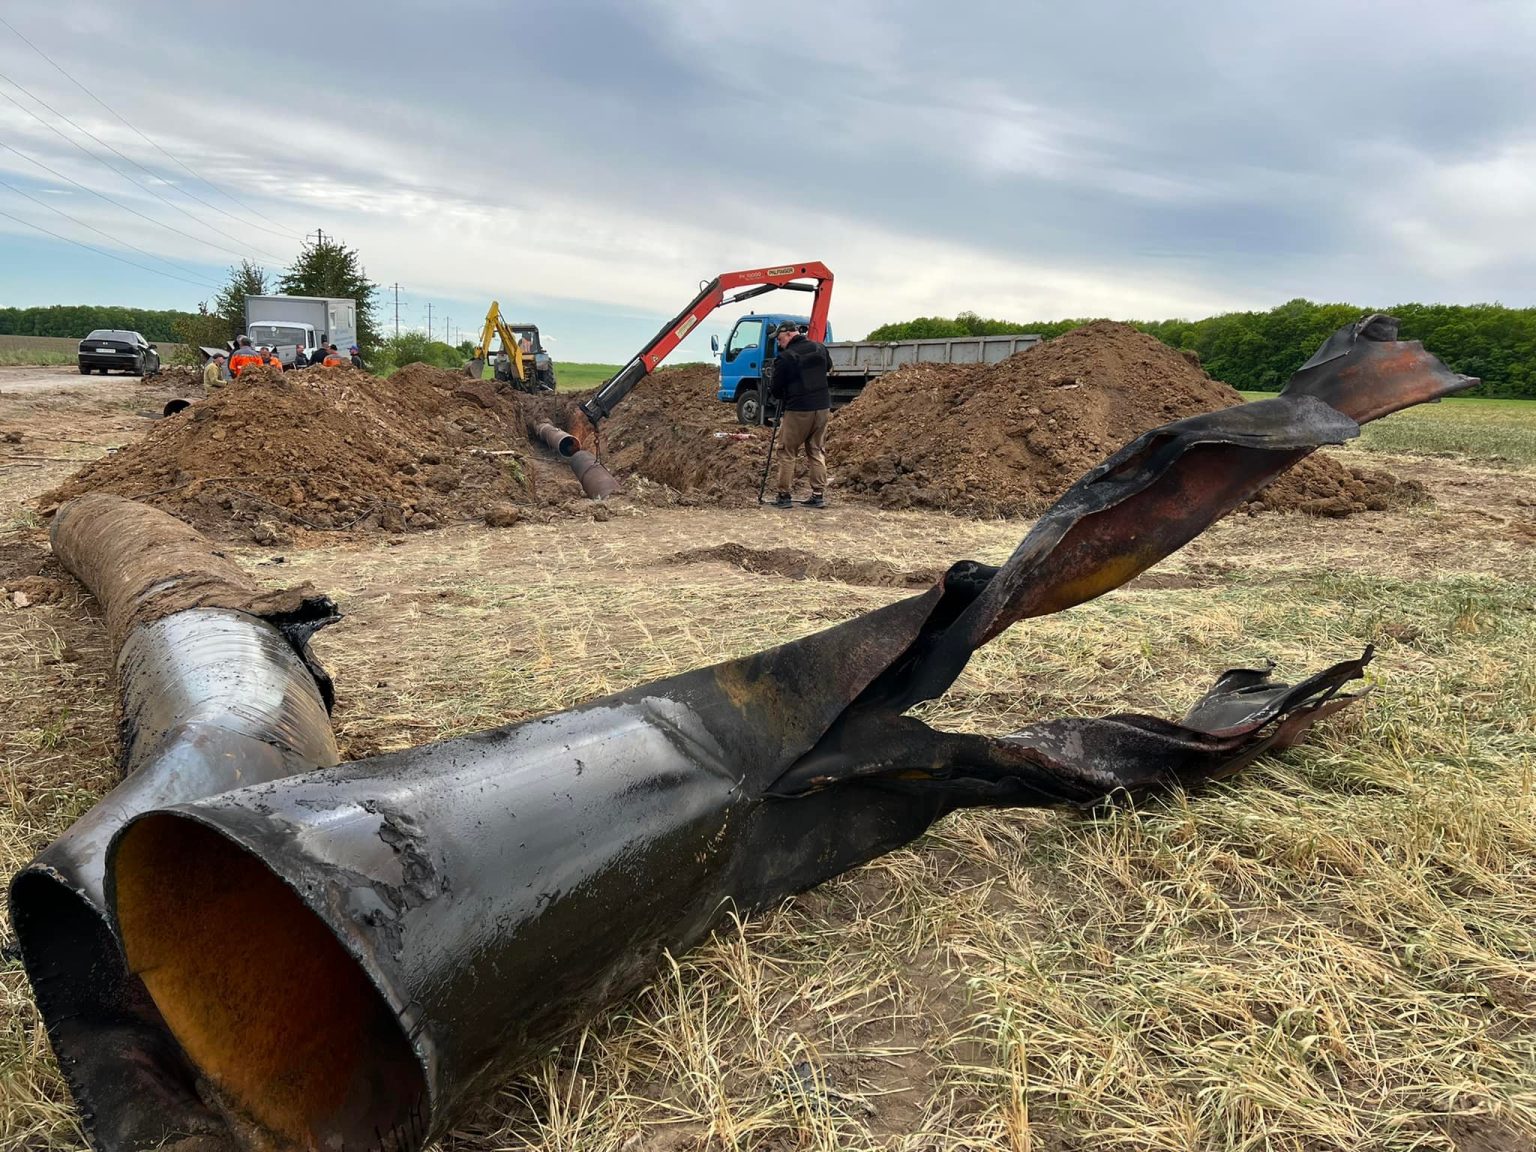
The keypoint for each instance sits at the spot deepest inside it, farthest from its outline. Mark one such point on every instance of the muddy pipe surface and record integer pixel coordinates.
(355, 955)
(218, 690)
(595, 480)
(558, 439)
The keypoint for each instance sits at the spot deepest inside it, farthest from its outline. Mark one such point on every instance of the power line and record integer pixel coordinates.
(100, 251)
(60, 69)
(113, 167)
(117, 203)
(92, 227)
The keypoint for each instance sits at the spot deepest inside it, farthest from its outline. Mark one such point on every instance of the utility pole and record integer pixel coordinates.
(429, 320)
(447, 320)
(396, 287)
(319, 237)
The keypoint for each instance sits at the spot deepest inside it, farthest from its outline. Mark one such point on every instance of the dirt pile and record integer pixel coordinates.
(326, 449)
(671, 430)
(1007, 439)
(177, 378)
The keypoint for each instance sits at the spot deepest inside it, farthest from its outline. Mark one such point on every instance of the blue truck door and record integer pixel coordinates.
(743, 357)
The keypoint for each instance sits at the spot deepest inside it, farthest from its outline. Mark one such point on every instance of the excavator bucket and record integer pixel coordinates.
(475, 369)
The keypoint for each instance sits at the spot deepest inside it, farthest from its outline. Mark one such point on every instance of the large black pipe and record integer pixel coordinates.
(352, 956)
(213, 698)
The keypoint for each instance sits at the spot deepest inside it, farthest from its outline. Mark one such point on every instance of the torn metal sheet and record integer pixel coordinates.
(355, 955)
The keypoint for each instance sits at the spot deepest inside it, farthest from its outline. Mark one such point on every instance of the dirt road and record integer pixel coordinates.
(28, 380)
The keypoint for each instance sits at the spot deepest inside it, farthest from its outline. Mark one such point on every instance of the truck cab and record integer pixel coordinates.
(748, 347)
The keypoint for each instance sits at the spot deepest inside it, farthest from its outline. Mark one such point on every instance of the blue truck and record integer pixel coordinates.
(746, 361)
(854, 362)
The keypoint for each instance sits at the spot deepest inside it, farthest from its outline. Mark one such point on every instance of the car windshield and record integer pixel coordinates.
(274, 334)
(114, 334)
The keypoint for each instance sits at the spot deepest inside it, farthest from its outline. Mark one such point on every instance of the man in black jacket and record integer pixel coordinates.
(800, 386)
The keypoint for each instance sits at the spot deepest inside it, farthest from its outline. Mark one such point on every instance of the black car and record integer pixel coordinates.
(108, 349)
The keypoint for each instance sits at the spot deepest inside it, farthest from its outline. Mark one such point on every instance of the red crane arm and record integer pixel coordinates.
(727, 288)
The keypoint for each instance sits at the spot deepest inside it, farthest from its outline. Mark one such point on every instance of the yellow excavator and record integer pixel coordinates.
(520, 361)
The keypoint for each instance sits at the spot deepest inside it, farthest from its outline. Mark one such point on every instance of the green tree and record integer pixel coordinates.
(328, 267)
(200, 329)
(245, 279)
(415, 348)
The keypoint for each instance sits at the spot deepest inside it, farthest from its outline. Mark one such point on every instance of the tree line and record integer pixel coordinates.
(76, 321)
(1258, 351)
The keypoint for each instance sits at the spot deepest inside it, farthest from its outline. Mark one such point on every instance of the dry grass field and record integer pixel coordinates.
(26, 351)
(1335, 950)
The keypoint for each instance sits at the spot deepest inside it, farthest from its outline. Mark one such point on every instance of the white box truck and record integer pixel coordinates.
(294, 324)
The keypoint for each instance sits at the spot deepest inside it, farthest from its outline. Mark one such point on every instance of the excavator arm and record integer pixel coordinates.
(727, 288)
(496, 326)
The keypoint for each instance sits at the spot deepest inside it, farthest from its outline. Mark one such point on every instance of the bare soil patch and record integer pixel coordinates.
(799, 564)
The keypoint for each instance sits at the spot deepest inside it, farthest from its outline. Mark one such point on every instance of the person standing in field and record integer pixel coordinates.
(213, 372)
(800, 387)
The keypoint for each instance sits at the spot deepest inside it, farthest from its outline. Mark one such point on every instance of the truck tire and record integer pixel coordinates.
(85, 369)
(748, 409)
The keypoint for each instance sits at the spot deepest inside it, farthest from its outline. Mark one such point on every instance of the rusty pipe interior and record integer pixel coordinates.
(254, 985)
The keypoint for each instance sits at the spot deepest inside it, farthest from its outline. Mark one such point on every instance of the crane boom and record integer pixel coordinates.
(741, 286)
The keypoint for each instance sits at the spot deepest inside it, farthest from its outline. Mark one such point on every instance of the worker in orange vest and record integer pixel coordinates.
(334, 359)
(270, 357)
(243, 357)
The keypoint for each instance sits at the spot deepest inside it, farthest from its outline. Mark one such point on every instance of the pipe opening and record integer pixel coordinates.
(260, 993)
(107, 1034)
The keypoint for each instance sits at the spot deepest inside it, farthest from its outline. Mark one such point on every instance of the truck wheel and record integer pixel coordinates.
(85, 370)
(748, 410)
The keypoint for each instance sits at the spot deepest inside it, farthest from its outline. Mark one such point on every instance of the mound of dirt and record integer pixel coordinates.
(671, 430)
(177, 378)
(325, 448)
(798, 564)
(1007, 439)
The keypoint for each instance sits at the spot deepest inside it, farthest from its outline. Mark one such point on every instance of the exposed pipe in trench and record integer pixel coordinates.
(354, 956)
(596, 481)
(218, 690)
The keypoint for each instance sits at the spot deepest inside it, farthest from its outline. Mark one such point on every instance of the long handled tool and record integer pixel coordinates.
(762, 485)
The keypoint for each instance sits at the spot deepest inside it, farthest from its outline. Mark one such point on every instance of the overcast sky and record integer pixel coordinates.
(588, 162)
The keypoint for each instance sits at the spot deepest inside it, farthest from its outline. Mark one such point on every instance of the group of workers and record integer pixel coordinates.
(222, 368)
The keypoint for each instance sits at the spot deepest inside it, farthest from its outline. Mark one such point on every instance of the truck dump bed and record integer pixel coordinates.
(871, 358)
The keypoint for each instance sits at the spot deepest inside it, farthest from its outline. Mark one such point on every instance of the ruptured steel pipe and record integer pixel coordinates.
(558, 439)
(353, 956)
(218, 690)
(596, 481)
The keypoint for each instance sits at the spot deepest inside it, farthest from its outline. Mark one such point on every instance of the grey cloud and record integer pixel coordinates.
(1247, 147)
